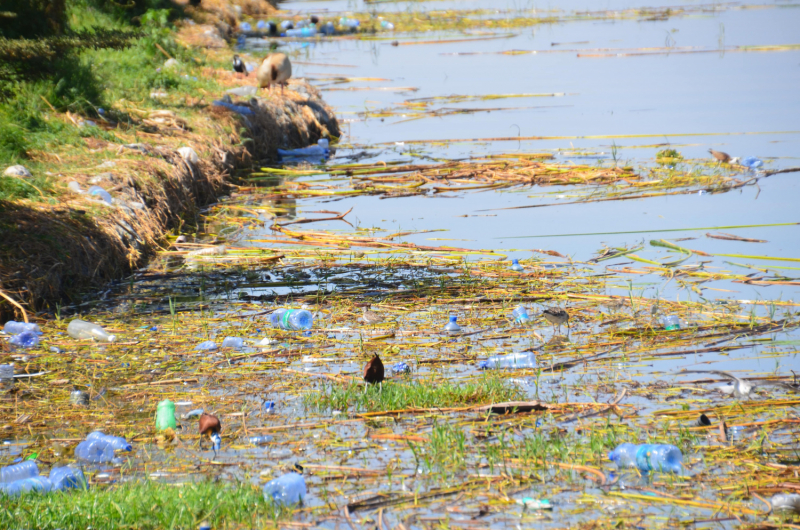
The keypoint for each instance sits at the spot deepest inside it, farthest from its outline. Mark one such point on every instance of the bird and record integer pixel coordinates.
(238, 65)
(275, 69)
(314, 19)
(373, 372)
(720, 156)
(556, 316)
(371, 317)
(209, 424)
(738, 388)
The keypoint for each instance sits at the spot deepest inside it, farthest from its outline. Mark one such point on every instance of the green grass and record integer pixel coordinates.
(143, 505)
(400, 394)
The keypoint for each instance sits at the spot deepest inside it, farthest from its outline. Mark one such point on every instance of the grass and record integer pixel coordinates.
(143, 505)
(400, 394)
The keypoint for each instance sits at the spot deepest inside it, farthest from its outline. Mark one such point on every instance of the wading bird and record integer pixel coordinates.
(721, 157)
(740, 388)
(371, 317)
(276, 69)
(556, 316)
(209, 424)
(373, 373)
(238, 65)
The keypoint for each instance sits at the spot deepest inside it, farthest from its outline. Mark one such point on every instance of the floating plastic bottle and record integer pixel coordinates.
(13, 328)
(269, 407)
(20, 471)
(786, 502)
(262, 25)
(79, 397)
(118, 443)
(165, 415)
(648, 457)
(26, 339)
(520, 314)
(233, 342)
(752, 162)
(350, 23)
(401, 368)
(101, 194)
(245, 26)
(17, 488)
(293, 319)
(208, 345)
(259, 440)
(287, 24)
(301, 32)
(452, 326)
(6, 376)
(515, 266)
(671, 323)
(327, 29)
(66, 477)
(287, 489)
(512, 360)
(95, 451)
(385, 24)
(322, 149)
(80, 329)
(196, 413)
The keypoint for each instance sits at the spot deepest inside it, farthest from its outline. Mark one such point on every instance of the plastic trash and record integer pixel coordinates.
(208, 345)
(401, 368)
(79, 397)
(350, 23)
(95, 451)
(6, 376)
(293, 319)
(752, 162)
(287, 24)
(216, 441)
(189, 155)
(520, 314)
(452, 326)
(165, 415)
(648, 457)
(13, 328)
(385, 24)
(26, 339)
(262, 25)
(259, 440)
(328, 29)
(101, 194)
(74, 186)
(233, 342)
(66, 477)
(322, 149)
(241, 109)
(245, 26)
(17, 171)
(80, 329)
(20, 471)
(118, 443)
(535, 504)
(16, 488)
(515, 266)
(286, 489)
(196, 413)
(302, 32)
(671, 322)
(269, 407)
(243, 91)
(786, 502)
(512, 360)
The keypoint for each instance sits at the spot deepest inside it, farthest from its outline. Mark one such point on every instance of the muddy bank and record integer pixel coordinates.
(50, 252)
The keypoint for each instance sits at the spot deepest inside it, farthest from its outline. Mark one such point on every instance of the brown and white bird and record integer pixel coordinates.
(556, 316)
(274, 70)
(721, 157)
(373, 372)
(371, 317)
(209, 424)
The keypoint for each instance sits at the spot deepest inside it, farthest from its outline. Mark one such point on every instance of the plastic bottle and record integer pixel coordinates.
(262, 25)
(165, 415)
(401, 368)
(6, 376)
(25, 469)
(95, 451)
(245, 26)
(520, 314)
(13, 328)
(327, 29)
(786, 501)
(302, 32)
(515, 266)
(233, 342)
(648, 457)
(452, 326)
(26, 339)
(287, 24)
(350, 23)
(321, 149)
(196, 413)
(671, 323)
(286, 489)
(512, 360)
(752, 162)
(17, 488)
(79, 397)
(80, 329)
(208, 345)
(385, 24)
(66, 477)
(294, 319)
(259, 440)
(101, 194)
(118, 443)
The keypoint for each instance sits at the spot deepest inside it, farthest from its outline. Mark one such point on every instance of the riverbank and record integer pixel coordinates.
(136, 117)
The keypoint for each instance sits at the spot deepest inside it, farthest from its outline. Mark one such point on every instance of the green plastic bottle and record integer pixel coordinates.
(165, 415)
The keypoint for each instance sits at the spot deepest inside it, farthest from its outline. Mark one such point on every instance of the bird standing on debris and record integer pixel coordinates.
(740, 388)
(238, 65)
(556, 316)
(276, 69)
(721, 157)
(373, 372)
(371, 317)
(209, 424)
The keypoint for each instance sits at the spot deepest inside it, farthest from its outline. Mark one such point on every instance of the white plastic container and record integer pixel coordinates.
(81, 330)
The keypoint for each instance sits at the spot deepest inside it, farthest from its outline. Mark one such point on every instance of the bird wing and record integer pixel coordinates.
(718, 372)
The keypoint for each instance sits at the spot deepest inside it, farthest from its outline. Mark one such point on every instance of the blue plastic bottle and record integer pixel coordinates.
(66, 477)
(291, 319)
(512, 361)
(515, 266)
(26, 339)
(233, 342)
(648, 457)
(23, 470)
(13, 327)
(302, 32)
(452, 326)
(118, 443)
(520, 315)
(287, 489)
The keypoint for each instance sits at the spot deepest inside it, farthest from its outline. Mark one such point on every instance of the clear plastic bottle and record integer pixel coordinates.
(95, 451)
(752, 162)
(80, 329)
(385, 24)
(302, 32)
(520, 315)
(233, 342)
(118, 443)
(286, 489)
(452, 326)
(208, 345)
(6, 376)
(327, 29)
(671, 323)
(512, 360)
(25, 469)
(66, 477)
(321, 149)
(401, 368)
(259, 440)
(786, 502)
(648, 457)
(17, 488)
(350, 23)
(26, 339)
(293, 319)
(12, 327)
(515, 266)
(101, 194)
(245, 26)
(196, 413)
(287, 24)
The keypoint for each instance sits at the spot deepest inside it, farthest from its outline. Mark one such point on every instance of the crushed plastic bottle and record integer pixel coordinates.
(95, 451)
(196, 413)
(752, 162)
(118, 443)
(292, 319)
(13, 328)
(26, 339)
(515, 266)
(520, 314)
(6, 376)
(401, 368)
(165, 415)
(452, 326)
(259, 440)
(20, 471)
(245, 26)
(101, 194)
(512, 361)
(301, 32)
(671, 323)
(648, 457)
(16, 488)
(66, 477)
(328, 29)
(208, 345)
(80, 329)
(349, 23)
(786, 502)
(321, 150)
(240, 109)
(287, 489)
(233, 342)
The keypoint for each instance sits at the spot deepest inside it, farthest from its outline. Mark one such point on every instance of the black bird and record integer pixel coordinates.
(314, 19)
(373, 372)
(238, 65)
(195, 3)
